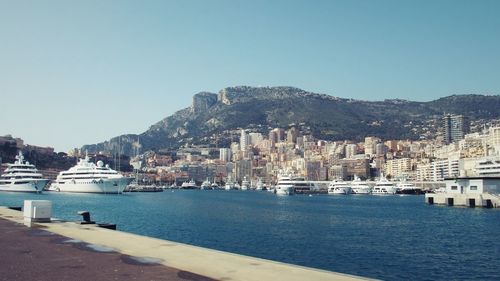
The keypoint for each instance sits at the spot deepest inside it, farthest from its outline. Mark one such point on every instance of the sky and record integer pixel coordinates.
(82, 72)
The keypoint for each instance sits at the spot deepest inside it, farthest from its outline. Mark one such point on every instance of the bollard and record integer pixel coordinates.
(86, 217)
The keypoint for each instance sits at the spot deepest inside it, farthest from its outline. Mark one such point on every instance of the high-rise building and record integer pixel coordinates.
(243, 169)
(277, 134)
(225, 154)
(255, 138)
(244, 141)
(292, 135)
(370, 143)
(438, 170)
(351, 150)
(455, 127)
(398, 167)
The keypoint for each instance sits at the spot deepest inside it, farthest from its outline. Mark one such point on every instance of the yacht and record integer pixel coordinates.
(245, 184)
(214, 185)
(284, 188)
(339, 187)
(206, 185)
(189, 184)
(383, 187)
(87, 177)
(22, 177)
(229, 184)
(360, 187)
(404, 187)
(260, 185)
(299, 184)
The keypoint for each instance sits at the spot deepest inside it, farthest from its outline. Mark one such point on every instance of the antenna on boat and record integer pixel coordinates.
(119, 151)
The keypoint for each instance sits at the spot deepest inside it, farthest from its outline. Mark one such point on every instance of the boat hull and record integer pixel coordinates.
(340, 191)
(108, 186)
(410, 191)
(384, 192)
(35, 186)
(361, 191)
(284, 190)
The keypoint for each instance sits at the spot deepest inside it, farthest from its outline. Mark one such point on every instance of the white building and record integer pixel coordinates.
(473, 185)
(468, 191)
(244, 140)
(438, 170)
(398, 167)
(488, 166)
(493, 141)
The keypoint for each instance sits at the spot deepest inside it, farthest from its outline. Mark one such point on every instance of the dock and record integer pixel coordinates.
(61, 250)
(463, 200)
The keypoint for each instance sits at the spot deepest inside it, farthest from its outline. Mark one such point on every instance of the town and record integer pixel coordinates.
(458, 149)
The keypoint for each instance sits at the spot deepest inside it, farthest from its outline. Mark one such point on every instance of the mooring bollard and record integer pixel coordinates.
(86, 217)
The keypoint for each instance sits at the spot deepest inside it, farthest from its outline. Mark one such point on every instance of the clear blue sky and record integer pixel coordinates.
(80, 72)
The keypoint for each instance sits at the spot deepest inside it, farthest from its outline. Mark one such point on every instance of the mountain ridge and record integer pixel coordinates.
(329, 117)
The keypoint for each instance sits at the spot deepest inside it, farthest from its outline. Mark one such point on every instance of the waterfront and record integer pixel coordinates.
(391, 238)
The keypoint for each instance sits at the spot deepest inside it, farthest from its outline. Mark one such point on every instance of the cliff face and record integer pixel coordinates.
(203, 101)
(329, 117)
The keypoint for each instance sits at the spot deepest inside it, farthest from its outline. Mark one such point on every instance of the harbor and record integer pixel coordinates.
(325, 232)
(179, 260)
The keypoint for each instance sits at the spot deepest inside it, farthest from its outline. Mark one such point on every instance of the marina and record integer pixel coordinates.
(250, 140)
(386, 233)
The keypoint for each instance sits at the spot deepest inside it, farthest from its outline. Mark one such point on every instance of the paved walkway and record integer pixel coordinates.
(69, 251)
(35, 254)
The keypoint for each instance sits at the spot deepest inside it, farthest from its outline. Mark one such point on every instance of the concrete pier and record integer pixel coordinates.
(128, 256)
(464, 200)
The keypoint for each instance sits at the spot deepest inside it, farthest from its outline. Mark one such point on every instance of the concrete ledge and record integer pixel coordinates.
(211, 263)
(463, 200)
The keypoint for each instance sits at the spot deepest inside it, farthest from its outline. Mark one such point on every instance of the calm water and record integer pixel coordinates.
(391, 238)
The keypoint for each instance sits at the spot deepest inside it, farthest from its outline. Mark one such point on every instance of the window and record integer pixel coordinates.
(454, 187)
(473, 187)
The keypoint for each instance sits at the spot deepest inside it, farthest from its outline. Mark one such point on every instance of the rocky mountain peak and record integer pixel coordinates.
(203, 101)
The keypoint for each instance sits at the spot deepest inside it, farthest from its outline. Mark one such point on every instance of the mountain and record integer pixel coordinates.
(211, 116)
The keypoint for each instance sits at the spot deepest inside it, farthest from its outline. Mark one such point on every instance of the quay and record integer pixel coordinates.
(468, 192)
(61, 250)
(464, 200)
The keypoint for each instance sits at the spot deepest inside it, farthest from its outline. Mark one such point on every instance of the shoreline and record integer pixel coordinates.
(213, 264)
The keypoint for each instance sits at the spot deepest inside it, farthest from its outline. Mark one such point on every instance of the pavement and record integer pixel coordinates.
(62, 250)
(36, 254)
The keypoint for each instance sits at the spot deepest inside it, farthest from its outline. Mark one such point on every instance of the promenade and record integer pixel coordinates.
(70, 251)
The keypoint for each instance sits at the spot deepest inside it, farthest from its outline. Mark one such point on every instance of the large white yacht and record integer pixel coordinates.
(87, 177)
(245, 184)
(260, 185)
(360, 187)
(339, 187)
(22, 177)
(229, 183)
(206, 185)
(299, 184)
(383, 187)
(404, 187)
(189, 185)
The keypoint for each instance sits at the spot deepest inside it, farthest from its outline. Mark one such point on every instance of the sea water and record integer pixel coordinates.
(385, 237)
